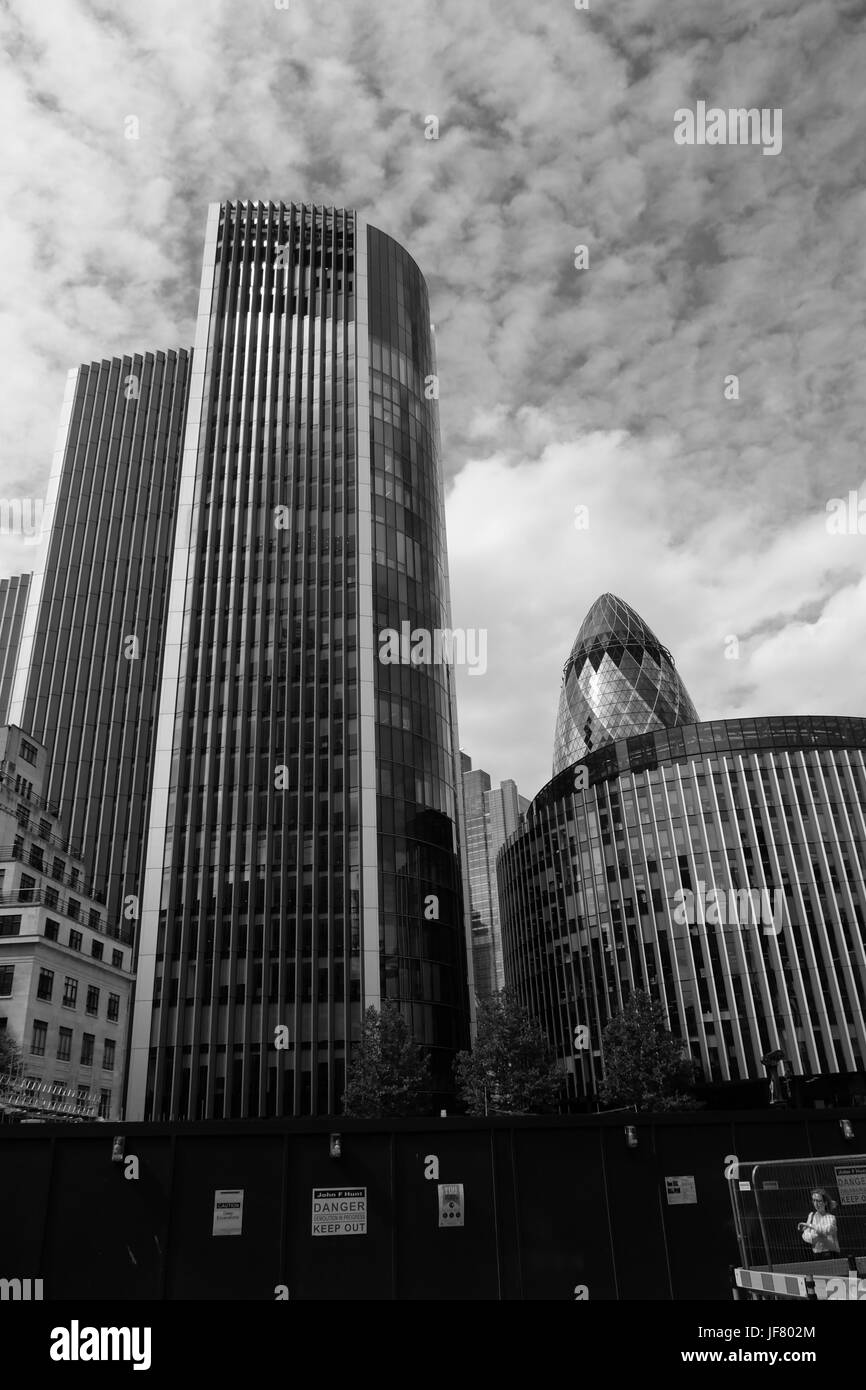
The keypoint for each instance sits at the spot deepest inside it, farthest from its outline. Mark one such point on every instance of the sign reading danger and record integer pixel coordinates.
(851, 1182)
(451, 1206)
(339, 1211)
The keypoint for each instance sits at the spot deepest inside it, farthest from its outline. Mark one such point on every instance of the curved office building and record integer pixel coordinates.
(618, 680)
(719, 866)
(301, 860)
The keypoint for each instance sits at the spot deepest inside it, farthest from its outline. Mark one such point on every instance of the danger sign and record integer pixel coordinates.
(339, 1211)
(851, 1182)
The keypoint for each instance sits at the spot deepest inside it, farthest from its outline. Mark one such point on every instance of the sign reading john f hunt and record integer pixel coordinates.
(851, 1182)
(339, 1211)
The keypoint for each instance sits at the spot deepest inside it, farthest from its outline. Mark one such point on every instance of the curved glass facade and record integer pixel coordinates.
(423, 959)
(655, 878)
(285, 890)
(618, 681)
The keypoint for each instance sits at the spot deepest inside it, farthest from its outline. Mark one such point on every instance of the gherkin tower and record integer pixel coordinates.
(618, 681)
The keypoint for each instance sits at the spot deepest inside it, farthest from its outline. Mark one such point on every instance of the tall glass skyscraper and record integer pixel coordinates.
(488, 815)
(13, 606)
(618, 681)
(83, 651)
(302, 853)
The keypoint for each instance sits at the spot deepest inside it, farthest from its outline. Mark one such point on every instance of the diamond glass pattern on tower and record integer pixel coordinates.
(302, 822)
(618, 681)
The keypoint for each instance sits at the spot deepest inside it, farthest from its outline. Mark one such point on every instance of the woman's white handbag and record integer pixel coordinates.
(810, 1235)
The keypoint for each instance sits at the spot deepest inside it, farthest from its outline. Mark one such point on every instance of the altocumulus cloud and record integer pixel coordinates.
(558, 385)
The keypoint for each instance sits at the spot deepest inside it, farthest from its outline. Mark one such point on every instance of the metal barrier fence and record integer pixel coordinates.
(800, 1223)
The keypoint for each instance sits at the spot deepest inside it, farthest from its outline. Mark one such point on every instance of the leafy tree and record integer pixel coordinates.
(10, 1053)
(644, 1064)
(511, 1069)
(389, 1073)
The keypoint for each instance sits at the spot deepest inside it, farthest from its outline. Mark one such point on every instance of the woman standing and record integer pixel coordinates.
(819, 1229)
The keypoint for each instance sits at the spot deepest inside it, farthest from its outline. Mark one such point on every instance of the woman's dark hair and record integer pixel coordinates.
(822, 1192)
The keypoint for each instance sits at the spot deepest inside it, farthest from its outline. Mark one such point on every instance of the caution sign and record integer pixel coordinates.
(451, 1206)
(851, 1182)
(228, 1212)
(681, 1192)
(339, 1211)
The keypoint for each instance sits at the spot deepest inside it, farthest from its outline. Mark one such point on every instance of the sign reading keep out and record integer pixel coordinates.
(339, 1211)
(851, 1182)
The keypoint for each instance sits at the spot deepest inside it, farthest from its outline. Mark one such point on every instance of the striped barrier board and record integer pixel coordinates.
(832, 1287)
(780, 1285)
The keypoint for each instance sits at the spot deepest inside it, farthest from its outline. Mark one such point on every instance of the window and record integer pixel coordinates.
(113, 1008)
(28, 752)
(40, 1033)
(104, 1104)
(83, 1095)
(52, 929)
(73, 907)
(75, 940)
(70, 992)
(45, 828)
(96, 950)
(117, 959)
(87, 1042)
(92, 1005)
(58, 868)
(51, 897)
(45, 987)
(10, 926)
(7, 973)
(64, 1045)
(28, 883)
(107, 1055)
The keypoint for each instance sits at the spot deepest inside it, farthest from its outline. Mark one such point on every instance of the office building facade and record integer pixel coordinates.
(87, 652)
(13, 605)
(65, 966)
(720, 867)
(717, 866)
(302, 851)
(488, 816)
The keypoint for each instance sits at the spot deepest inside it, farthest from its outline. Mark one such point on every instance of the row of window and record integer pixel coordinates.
(64, 1046)
(10, 925)
(45, 990)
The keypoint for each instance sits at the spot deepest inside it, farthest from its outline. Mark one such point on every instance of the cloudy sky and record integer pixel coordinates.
(602, 387)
